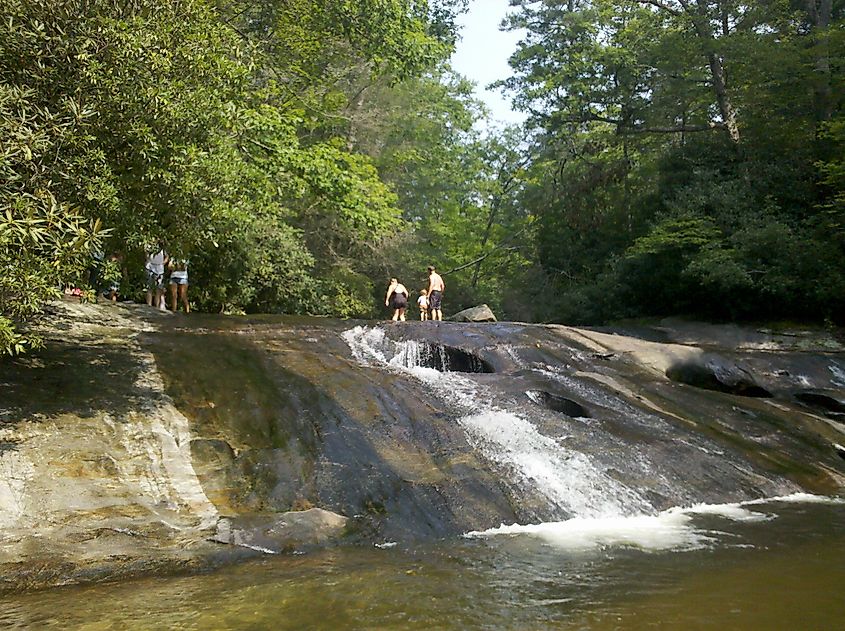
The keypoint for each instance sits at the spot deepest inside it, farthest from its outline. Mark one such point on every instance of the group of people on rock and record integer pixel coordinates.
(161, 271)
(429, 300)
(157, 266)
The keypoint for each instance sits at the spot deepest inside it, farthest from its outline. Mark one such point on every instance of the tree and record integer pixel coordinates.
(670, 119)
(211, 127)
(45, 239)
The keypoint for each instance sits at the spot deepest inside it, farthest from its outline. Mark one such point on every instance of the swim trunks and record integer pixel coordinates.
(434, 299)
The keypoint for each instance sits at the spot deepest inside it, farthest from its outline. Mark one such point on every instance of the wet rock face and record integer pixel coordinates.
(450, 359)
(719, 376)
(254, 433)
(827, 402)
(173, 442)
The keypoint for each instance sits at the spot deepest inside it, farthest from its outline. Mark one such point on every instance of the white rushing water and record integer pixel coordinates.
(605, 511)
(568, 479)
(672, 529)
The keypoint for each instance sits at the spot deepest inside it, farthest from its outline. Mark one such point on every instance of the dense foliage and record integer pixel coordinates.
(210, 127)
(688, 154)
(681, 156)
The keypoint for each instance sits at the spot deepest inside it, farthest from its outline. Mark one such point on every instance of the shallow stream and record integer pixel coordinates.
(636, 512)
(781, 569)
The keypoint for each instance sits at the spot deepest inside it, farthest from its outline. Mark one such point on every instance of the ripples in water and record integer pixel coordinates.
(782, 573)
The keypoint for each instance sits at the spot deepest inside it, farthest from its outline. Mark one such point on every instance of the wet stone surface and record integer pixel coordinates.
(558, 403)
(140, 442)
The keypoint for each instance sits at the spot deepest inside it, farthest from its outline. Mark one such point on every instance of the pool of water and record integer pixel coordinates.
(784, 569)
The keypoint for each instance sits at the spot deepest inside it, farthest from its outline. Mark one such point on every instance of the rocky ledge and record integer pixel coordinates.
(140, 442)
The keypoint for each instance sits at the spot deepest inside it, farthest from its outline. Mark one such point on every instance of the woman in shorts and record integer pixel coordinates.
(179, 284)
(397, 299)
(154, 268)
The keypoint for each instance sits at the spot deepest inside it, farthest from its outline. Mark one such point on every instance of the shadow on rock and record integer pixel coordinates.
(716, 374)
(73, 377)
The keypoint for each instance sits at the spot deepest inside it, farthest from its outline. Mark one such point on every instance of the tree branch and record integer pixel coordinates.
(481, 258)
(586, 118)
(501, 246)
(672, 130)
(661, 5)
(622, 129)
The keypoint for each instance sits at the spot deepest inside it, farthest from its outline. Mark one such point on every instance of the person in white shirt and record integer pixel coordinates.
(154, 268)
(422, 301)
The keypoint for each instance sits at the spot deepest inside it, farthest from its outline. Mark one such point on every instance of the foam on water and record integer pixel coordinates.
(797, 498)
(734, 512)
(665, 531)
(672, 529)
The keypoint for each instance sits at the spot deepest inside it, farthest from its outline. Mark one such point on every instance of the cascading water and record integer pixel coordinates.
(567, 479)
(598, 508)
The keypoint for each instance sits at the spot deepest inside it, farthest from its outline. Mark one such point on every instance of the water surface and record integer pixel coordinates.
(785, 571)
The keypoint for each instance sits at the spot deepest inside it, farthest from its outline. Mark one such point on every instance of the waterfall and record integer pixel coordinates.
(568, 480)
(598, 509)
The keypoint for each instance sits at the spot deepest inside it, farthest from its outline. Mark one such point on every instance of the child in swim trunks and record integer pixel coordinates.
(422, 301)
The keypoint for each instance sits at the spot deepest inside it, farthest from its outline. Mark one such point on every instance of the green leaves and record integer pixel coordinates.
(676, 234)
(687, 156)
(218, 129)
(45, 240)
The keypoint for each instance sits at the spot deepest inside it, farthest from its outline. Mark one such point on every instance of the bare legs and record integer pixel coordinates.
(158, 294)
(180, 291)
(183, 297)
(398, 314)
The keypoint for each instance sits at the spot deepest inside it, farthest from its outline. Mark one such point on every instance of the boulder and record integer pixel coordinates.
(481, 313)
(283, 532)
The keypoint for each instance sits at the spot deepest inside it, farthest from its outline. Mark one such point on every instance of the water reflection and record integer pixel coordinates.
(785, 573)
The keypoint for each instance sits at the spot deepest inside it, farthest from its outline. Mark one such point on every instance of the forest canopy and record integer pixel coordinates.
(680, 156)
(688, 156)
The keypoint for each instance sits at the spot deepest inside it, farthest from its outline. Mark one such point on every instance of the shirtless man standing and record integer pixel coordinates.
(435, 293)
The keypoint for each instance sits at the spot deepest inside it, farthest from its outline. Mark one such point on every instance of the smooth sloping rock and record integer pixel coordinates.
(132, 443)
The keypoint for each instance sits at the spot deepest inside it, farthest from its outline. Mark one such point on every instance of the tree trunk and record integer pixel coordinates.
(717, 69)
(720, 87)
(819, 12)
(494, 208)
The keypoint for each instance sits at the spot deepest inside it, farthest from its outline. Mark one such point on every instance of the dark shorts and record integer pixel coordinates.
(398, 301)
(154, 281)
(434, 299)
